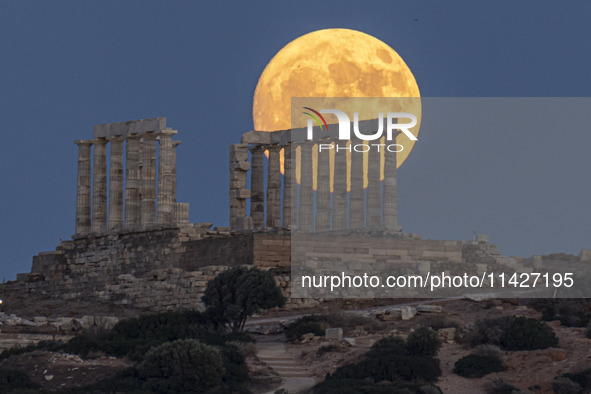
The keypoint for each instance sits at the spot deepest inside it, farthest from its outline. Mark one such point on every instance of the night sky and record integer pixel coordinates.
(69, 65)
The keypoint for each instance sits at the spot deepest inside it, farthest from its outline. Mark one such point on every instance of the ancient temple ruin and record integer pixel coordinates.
(134, 244)
(131, 202)
(283, 202)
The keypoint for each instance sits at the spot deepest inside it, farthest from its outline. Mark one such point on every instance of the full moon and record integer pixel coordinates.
(332, 63)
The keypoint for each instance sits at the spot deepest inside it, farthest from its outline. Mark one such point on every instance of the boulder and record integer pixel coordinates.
(555, 354)
(335, 334)
(408, 312)
(307, 337)
(447, 335)
(429, 308)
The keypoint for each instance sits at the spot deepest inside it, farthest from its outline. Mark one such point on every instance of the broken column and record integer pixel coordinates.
(116, 184)
(99, 187)
(166, 183)
(83, 198)
(239, 166)
(181, 212)
(148, 182)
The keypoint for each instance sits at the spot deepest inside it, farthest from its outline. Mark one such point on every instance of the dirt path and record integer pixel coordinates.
(255, 321)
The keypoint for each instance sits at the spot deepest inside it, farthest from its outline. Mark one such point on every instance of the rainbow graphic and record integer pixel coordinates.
(315, 117)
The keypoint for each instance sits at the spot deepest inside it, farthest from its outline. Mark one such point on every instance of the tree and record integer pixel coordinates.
(235, 294)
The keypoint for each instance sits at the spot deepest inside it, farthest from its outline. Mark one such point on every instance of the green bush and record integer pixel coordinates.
(439, 321)
(562, 385)
(184, 365)
(570, 312)
(388, 346)
(500, 386)
(392, 368)
(489, 351)
(315, 324)
(582, 378)
(51, 346)
(475, 366)
(351, 386)
(490, 331)
(11, 380)
(134, 337)
(423, 342)
(81, 345)
(236, 371)
(246, 349)
(393, 359)
(528, 334)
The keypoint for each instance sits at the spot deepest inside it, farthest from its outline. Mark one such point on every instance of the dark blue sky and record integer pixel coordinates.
(68, 65)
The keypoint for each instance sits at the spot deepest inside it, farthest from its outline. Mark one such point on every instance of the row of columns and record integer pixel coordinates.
(374, 208)
(99, 213)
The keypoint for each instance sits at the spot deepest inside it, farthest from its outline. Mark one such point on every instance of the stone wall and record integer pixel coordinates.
(163, 268)
(168, 268)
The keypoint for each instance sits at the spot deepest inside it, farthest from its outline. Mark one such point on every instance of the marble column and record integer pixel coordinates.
(306, 210)
(390, 193)
(239, 166)
(356, 196)
(148, 182)
(166, 182)
(288, 176)
(99, 187)
(116, 184)
(175, 144)
(339, 212)
(132, 184)
(274, 188)
(257, 195)
(323, 206)
(83, 197)
(374, 188)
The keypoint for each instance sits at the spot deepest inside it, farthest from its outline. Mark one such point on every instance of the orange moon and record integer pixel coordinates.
(332, 63)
